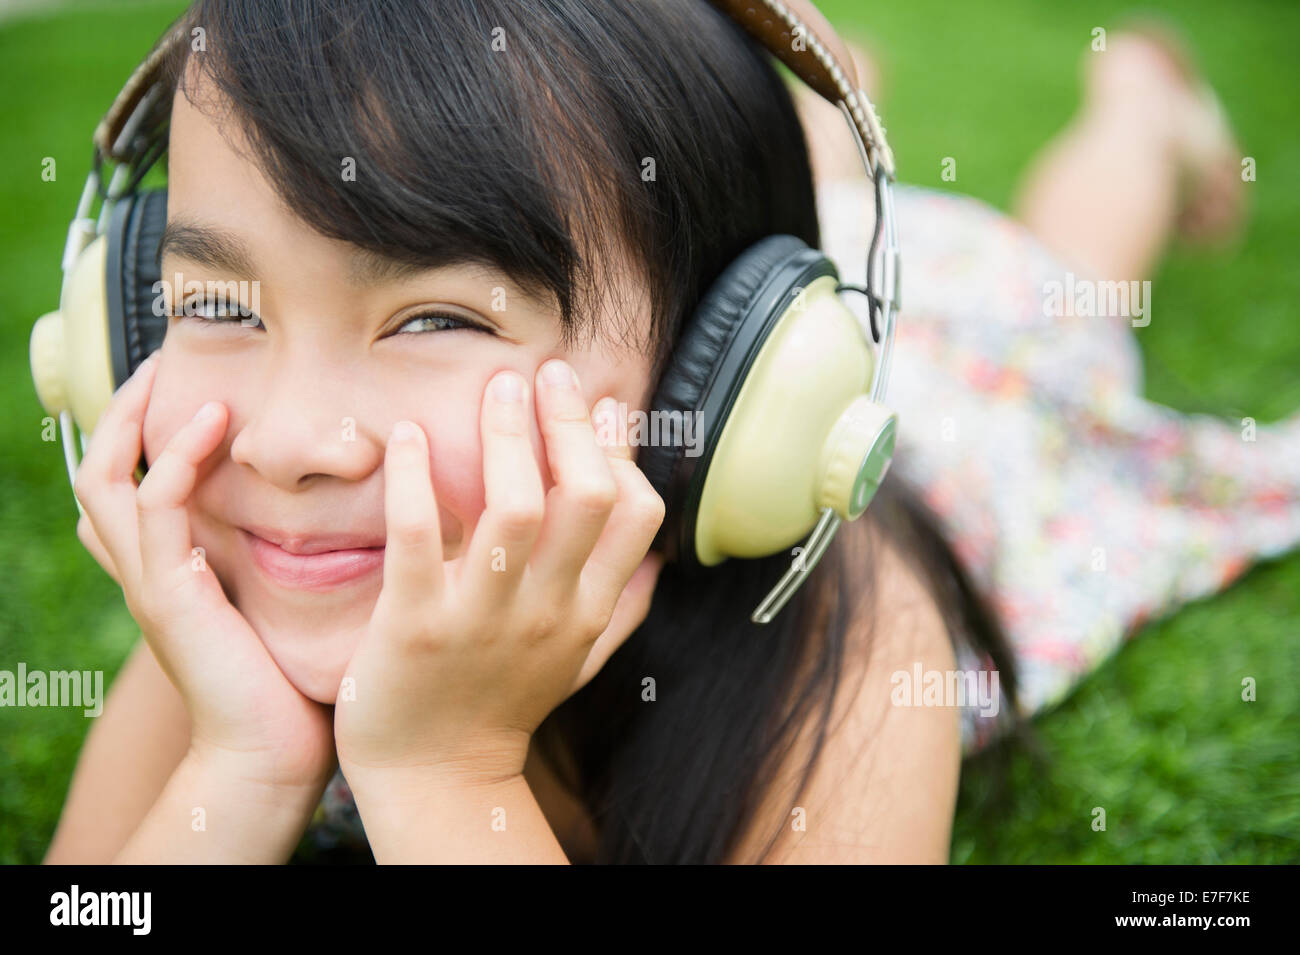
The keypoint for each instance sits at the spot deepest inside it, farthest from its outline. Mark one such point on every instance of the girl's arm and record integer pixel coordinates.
(131, 751)
(134, 788)
(214, 810)
(885, 786)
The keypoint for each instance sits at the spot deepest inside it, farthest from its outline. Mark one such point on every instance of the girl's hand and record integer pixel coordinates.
(463, 660)
(242, 709)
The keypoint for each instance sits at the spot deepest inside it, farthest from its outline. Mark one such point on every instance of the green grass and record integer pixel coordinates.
(1158, 736)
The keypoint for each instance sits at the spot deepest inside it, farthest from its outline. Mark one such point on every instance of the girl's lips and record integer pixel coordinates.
(316, 572)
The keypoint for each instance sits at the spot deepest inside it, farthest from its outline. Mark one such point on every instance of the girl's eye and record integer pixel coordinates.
(209, 312)
(438, 321)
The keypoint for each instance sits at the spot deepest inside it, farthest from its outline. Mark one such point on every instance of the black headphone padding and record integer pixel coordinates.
(135, 233)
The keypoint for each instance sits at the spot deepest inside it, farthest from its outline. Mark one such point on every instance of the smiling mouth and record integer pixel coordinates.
(313, 564)
(312, 543)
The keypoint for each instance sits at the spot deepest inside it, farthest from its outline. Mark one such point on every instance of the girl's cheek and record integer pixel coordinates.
(627, 381)
(455, 459)
(160, 418)
(178, 392)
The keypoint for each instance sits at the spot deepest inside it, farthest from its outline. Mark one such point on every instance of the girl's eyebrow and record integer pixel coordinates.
(226, 252)
(216, 249)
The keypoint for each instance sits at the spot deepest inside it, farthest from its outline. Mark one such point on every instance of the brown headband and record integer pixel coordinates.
(819, 58)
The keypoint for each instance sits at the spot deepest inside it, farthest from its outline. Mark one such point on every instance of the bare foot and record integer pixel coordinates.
(1148, 67)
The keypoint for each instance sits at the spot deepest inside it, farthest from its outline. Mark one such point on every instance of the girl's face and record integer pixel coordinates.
(315, 384)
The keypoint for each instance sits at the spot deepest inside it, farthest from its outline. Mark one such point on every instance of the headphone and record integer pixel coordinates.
(774, 367)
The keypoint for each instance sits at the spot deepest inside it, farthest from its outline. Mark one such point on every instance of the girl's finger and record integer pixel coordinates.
(585, 491)
(413, 571)
(515, 502)
(606, 418)
(632, 526)
(164, 523)
(86, 534)
(629, 612)
(105, 481)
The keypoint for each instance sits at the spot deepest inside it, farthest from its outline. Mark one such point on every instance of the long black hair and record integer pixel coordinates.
(519, 133)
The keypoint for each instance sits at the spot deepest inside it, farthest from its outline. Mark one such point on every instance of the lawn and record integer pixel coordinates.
(1159, 736)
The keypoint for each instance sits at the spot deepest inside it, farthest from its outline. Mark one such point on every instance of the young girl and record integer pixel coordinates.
(389, 174)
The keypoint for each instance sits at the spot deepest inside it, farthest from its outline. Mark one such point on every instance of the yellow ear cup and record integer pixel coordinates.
(802, 435)
(856, 457)
(69, 350)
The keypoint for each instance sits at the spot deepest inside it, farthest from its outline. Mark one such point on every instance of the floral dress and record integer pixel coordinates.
(1079, 509)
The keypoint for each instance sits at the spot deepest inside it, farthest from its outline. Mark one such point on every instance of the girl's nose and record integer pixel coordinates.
(300, 427)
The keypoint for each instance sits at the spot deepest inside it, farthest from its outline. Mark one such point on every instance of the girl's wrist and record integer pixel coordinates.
(277, 778)
(479, 761)
(289, 776)
(213, 810)
(402, 783)
(438, 814)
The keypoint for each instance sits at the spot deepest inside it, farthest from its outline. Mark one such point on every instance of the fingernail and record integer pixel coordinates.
(604, 412)
(404, 431)
(207, 412)
(559, 374)
(602, 419)
(508, 387)
(146, 363)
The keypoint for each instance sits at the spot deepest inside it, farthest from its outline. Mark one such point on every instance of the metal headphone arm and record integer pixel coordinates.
(886, 303)
(796, 33)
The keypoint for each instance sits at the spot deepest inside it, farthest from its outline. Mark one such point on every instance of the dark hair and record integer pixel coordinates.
(530, 158)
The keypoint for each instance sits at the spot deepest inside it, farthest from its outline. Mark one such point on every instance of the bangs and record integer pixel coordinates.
(476, 139)
(598, 153)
